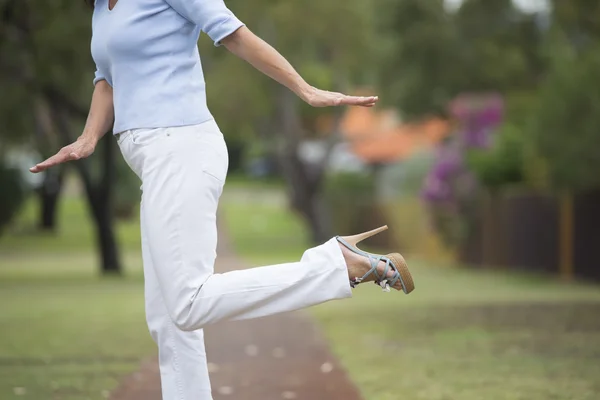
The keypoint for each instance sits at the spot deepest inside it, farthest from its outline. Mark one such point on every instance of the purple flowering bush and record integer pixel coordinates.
(450, 186)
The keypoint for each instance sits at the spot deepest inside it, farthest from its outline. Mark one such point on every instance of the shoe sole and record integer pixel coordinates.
(402, 267)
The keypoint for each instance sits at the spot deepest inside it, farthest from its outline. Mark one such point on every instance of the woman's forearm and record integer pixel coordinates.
(246, 45)
(101, 115)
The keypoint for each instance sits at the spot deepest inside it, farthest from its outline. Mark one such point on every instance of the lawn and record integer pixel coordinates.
(463, 334)
(66, 332)
(69, 334)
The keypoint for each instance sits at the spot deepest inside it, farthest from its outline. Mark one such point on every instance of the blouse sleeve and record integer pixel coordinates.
(212, 16)
(98, 76)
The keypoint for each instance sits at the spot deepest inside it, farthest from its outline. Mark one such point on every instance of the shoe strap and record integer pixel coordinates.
(375, 260)
(394, 279)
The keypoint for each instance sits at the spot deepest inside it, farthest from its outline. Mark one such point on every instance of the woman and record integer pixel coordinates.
(149, 88)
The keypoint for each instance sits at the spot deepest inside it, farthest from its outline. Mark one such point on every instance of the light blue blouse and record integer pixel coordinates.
(147, 51)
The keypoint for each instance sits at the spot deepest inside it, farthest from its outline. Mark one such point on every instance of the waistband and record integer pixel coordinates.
(209, 123)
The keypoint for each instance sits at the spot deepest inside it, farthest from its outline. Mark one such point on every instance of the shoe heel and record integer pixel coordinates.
(355, 239)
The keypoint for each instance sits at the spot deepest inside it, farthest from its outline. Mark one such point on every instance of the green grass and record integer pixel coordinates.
(256, 217)
(75, 232)
(463, 334)
(66, 332)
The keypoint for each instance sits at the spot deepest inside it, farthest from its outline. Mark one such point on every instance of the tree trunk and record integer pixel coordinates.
(104, 210)
(319, 218)
(109, 252)
(303, 180)
(99, 200)
(49, 194)
(99, 196)
(304, 194)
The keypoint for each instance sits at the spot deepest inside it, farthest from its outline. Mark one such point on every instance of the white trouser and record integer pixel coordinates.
(183, 170)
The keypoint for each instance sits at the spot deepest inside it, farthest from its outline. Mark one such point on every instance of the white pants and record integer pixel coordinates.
(183, 170)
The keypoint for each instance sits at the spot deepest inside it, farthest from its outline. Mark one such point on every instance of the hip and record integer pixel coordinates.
(190, 148)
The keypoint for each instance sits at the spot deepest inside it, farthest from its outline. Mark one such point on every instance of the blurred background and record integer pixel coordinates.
(482, 157)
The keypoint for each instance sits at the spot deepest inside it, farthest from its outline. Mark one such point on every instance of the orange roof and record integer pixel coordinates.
(378, 136)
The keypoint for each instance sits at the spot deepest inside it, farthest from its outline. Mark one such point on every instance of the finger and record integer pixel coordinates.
(367, 105)
(359, 101)
(370, 104)
(56, 159)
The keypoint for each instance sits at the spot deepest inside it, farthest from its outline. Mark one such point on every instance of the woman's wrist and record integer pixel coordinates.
(305, 91)
(90, 137)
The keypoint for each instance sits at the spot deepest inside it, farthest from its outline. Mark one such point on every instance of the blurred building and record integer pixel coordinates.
(381, 137)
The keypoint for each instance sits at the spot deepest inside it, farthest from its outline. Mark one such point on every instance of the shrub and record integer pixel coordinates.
(566, 123)
(350, 198)
(503, 163)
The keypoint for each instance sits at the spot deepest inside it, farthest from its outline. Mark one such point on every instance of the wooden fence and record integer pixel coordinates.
(540, 232)
(523, 231)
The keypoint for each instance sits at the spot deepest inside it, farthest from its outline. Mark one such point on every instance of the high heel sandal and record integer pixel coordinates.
(393, 261)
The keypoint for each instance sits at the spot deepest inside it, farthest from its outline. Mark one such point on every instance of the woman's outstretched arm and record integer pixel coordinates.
(246, 45)
(99, 121)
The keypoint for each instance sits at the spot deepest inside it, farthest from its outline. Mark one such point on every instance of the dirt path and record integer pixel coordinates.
(280, 357)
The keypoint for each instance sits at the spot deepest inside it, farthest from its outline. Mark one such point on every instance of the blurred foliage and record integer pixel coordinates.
(350, 197)
(503, 163)
(544, 64)
(435, 55)
(577, 19)
(404, 179)
(48, 43)
(359, 186)
(420, 62)
(415, 171)
(563, 124)
(566, 124)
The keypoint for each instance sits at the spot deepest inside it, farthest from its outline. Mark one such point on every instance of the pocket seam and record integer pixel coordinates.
(121, 138)
(134, 135)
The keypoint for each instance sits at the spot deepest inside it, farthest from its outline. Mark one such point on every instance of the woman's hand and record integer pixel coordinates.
(98, 123)
(82, 148)
(322, 98)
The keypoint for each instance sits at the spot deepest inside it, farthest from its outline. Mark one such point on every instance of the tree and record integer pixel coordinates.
(421, 68)
(437, 54)
(13, 194)
(566, 123)
(49, 73)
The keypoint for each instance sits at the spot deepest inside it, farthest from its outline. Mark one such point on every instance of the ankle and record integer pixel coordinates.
(356, 264)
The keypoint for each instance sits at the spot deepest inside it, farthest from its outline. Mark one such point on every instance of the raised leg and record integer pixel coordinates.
(183, 172)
